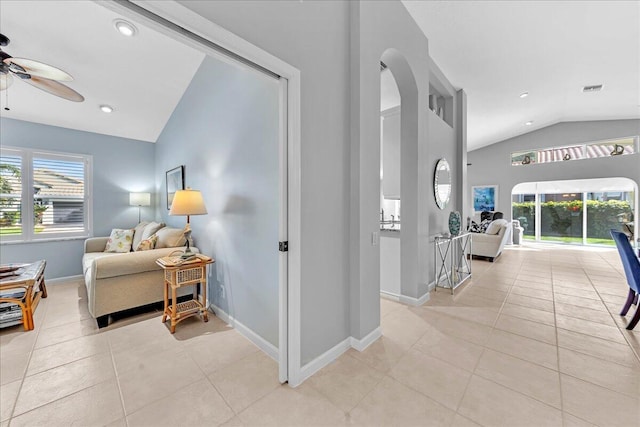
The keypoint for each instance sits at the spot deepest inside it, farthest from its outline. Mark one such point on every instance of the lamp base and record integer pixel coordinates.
(188, 253)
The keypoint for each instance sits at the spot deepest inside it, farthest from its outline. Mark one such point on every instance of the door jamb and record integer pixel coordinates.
(191, 21)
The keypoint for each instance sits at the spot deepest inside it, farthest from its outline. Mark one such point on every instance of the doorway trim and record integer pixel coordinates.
(289, 298)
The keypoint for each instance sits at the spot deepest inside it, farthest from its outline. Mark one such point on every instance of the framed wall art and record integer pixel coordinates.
(175, 182)
(485, 198)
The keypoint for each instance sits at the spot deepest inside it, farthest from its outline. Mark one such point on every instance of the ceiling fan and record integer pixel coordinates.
(38, 74)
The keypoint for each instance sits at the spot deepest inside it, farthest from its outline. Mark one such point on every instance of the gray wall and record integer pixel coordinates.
(313, 37)
(492, 165)
(384, 30)
(225, 132)
(119, 166)
(337, 46)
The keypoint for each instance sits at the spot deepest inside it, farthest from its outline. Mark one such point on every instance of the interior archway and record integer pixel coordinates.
(408, 156)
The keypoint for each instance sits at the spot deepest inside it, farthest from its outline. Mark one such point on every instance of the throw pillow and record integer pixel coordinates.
(474, 227)
(484, 225)
(151, 229)
(169, 237)
(148, 244)
(494, 227)
(137, 234)
(119, 240)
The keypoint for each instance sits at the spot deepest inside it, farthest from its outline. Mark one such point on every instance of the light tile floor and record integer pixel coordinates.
(534, 340)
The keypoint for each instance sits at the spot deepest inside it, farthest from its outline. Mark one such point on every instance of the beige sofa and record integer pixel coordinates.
(120, 281)
(491, 245)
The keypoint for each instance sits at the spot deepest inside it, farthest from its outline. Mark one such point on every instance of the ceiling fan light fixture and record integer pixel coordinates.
(524, 94)
(106, 108)
(125, 28)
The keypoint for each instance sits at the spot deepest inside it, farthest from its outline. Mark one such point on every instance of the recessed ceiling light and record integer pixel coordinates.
(529, 123)
(524, 94)
(125, 28)
(106, 108)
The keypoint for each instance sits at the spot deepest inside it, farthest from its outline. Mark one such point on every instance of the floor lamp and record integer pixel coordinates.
(188, 202)
(139, 200)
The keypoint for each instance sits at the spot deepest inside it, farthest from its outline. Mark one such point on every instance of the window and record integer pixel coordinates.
(609, 148)
(44, 195)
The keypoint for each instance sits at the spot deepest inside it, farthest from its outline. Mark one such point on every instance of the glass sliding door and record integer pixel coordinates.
(606, 211)
(576, 211)
(524, 210)
(561, 217)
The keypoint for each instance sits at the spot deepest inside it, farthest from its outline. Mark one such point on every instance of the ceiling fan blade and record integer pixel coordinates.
(6, 80)
(40, 69)
(55, 88)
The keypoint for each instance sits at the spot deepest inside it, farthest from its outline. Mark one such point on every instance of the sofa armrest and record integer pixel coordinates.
(95, 244)
(483, 237)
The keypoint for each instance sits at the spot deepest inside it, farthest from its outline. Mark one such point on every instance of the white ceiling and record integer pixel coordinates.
(496, 50)
(141, 77)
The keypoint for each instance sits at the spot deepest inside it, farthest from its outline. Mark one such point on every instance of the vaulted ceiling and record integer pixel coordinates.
(498, 50)
(494, 50)
(141, 77)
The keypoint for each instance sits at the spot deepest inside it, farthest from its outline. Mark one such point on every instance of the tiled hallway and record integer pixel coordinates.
(534, 340)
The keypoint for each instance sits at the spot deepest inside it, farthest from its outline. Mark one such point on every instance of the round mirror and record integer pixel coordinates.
(442, 183)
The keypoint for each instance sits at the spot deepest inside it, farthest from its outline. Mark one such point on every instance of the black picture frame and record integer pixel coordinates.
(175, 181)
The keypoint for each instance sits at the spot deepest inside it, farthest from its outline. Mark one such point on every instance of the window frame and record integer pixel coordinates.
(28, 234)
(535, 156)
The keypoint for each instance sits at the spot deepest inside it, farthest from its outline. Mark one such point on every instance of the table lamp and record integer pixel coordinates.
(139, 200)
(188, 202)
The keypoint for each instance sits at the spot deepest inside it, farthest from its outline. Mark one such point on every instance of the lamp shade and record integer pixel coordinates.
(140, 199)
(188, 202)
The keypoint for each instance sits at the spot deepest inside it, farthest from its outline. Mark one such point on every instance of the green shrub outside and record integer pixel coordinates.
(565, 218)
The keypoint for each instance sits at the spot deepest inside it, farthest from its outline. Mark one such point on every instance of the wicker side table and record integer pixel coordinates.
(178, 274)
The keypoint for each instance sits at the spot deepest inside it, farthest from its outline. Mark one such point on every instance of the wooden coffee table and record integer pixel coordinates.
(29, 278)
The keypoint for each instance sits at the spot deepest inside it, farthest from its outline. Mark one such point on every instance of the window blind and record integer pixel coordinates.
(58, 195)
(10, 195)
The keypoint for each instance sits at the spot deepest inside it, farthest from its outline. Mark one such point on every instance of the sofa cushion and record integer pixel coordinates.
(137, 234)
(494, 227)
(169, 237)
(151, 229)
(148, 244)
(119, 241)
(117, 264)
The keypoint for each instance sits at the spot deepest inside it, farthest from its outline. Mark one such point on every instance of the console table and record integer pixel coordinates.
(452, 260)
(24, 289)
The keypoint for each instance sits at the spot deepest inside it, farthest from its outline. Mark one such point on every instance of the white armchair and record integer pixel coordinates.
(491, 245)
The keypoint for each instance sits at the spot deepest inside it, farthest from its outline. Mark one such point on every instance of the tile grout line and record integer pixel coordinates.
(555, 330)
(484, 348)
(24, 374)
(115, 372)
(624, 335)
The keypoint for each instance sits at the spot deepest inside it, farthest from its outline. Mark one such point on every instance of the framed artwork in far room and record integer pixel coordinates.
(175, 182)
(485, 198)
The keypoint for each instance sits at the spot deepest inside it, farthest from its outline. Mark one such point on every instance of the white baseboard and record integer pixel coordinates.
(408, 300)
(390, 296)
(63, 279)
(415, 301)
(260, 342)
(323, 360)
(333, 353)
(365, 342)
